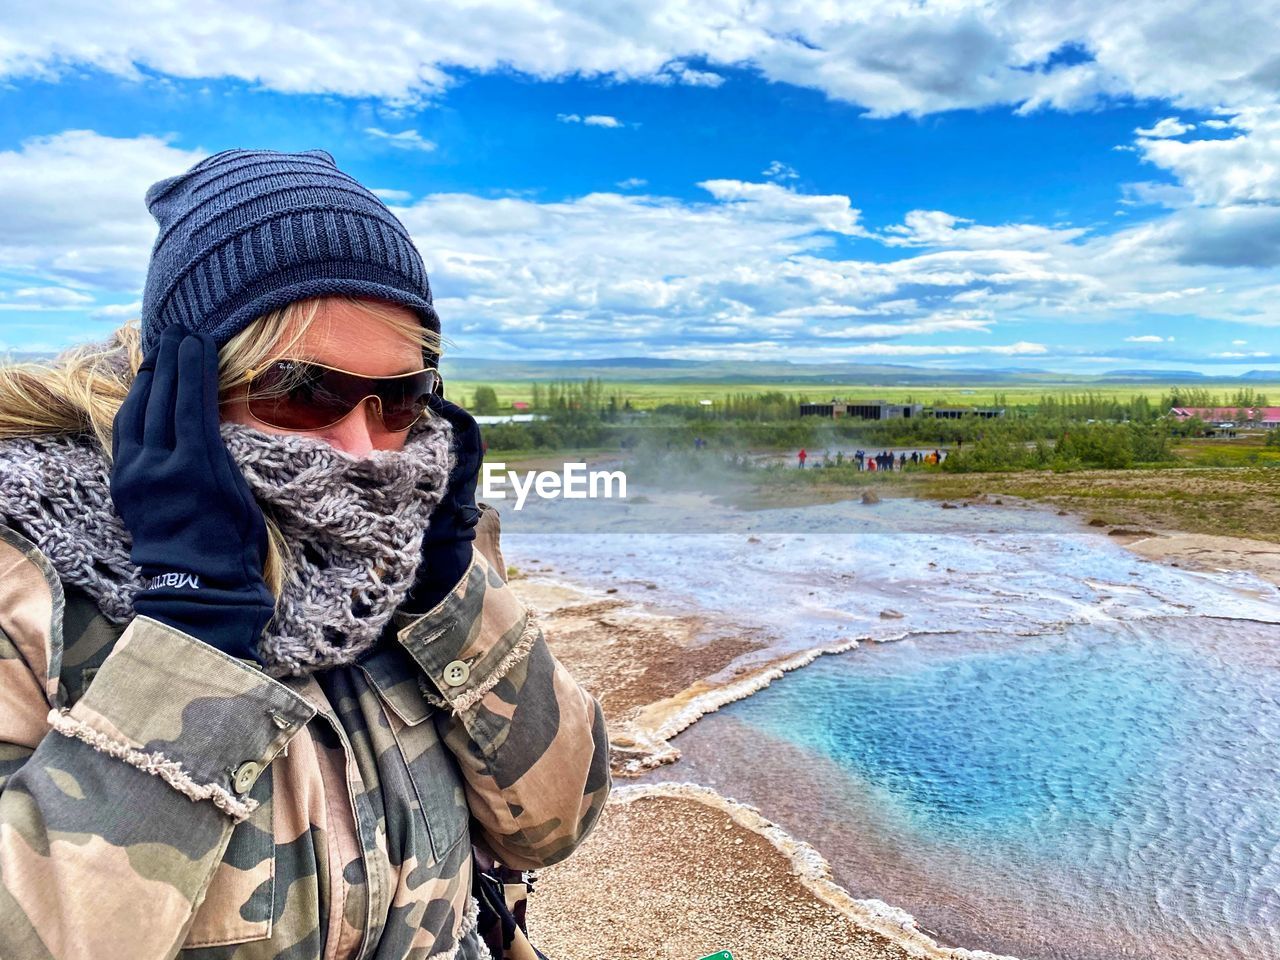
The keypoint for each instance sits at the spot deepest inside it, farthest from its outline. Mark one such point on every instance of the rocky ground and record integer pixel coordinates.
(679, 877)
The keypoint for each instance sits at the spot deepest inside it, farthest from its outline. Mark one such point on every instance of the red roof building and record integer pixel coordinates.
(1262, 416)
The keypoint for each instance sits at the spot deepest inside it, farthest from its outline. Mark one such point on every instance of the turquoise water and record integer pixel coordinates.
(1018, 741)
(1103, 792)
(1059, 750)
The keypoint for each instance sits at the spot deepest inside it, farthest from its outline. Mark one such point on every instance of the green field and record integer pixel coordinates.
(648, 394)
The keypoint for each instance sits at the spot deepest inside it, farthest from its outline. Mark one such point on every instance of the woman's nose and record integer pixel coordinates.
(360, 431)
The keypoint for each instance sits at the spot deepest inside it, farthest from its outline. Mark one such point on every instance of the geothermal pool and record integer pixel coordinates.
(1103, 792)
(1060, 750)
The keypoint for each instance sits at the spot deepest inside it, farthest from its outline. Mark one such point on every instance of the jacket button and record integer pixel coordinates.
(245, 775)
(456, 673)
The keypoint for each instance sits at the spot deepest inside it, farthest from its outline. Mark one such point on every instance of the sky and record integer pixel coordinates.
(1080, 186)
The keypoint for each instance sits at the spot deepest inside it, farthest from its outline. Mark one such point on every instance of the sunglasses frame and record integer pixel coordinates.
(253, 372)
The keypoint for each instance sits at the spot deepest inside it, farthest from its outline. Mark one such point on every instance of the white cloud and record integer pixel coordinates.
(969, 321)
(591, 120)
(683, 73)
(777, 170)
(1170, 195)
(1225, 202)
(1244, 169)
(1238, 343)
(392, 196)
(1236, 355)
(1230, 236)
(1168, 127)
(935, 228)
(632, 183)
(404, 140)
(831, 212)
(889, 56)
(747, 261)
(73, 210)
(118, 312)
(753, 262)
(1149, 338)
(44, 298)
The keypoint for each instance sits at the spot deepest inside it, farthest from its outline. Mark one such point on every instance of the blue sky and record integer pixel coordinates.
(950, 187)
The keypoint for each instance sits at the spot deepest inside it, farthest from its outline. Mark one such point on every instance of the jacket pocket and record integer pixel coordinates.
(438, 783)
(239, 903)
(432, 770)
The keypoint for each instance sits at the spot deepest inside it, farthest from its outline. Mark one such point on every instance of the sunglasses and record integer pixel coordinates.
(302, 395)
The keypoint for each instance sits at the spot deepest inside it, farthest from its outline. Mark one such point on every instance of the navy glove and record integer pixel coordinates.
(451, 528)
(199, 538)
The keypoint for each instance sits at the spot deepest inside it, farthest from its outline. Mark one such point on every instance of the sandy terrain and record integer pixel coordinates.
(627, 656)
(636, 662)
(1130, 524)
(1202, 551)
(676, 871)
(1177, 547)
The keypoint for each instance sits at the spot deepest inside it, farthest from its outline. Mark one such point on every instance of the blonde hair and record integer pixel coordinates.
(81, 390)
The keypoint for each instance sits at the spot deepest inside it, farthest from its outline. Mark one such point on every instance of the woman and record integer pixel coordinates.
(259, 692)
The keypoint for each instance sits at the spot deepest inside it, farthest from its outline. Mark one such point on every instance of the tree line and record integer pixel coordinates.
(1087, 427)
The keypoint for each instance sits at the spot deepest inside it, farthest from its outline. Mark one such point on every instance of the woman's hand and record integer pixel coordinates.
(199, 538)
(451, 528)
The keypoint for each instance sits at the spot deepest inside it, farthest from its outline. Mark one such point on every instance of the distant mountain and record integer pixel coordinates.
(1158, 376)
(1184, 376)
(724, 371)
(765, 372)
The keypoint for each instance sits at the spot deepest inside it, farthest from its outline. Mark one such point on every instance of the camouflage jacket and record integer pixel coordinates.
(161, 799)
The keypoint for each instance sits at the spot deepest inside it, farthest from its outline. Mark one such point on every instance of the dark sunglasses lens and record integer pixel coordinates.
(296, 396)
(405, 398)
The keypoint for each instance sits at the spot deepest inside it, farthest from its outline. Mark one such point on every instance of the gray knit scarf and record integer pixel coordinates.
(354, 526)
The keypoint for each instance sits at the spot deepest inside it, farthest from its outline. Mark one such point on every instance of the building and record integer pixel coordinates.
(1267, 417)
(861, 409)
(955, 413)
(509, 417)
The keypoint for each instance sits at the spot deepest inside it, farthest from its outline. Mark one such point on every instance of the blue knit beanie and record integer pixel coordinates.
(245, 232)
